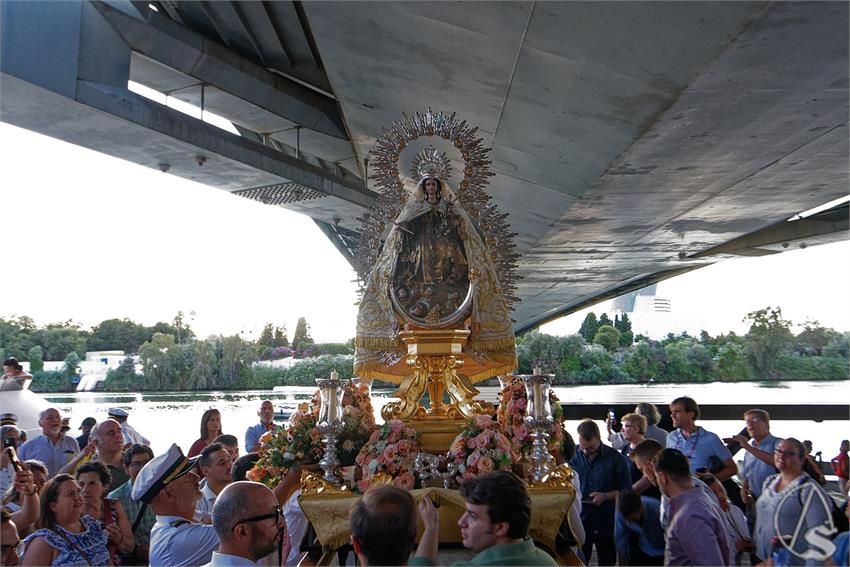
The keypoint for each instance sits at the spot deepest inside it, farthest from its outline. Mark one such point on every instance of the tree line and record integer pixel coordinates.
(606, 351)
(170, 354)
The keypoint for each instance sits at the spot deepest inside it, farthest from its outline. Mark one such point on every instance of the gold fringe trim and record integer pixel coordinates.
(377, 342)
(506, 369)
(364, 371)
(494, 344)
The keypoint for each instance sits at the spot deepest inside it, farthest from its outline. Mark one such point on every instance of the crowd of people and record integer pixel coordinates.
(647, 497)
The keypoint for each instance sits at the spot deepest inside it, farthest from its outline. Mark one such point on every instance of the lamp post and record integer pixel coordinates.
(330, 422)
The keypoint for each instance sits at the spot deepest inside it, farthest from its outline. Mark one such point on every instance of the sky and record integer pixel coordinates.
(90, 237)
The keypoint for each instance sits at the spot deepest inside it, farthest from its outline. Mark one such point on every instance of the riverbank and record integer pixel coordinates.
(170, 416)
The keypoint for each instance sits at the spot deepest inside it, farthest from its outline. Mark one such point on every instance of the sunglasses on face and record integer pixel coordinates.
(276, 513)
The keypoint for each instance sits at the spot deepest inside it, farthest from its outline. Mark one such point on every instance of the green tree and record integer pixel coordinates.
(688, 361)
(235, 359)
(769, 338)
(16, 336)
(280, 339)
(124, 378)
(589, 327)
(205, 365)
(608, 337)
(36, 359)
(605, 320)
(645, 361)
(267, 336)
(72, 366)
(302, 337)
(813, 339)
(60, 339)
(161, 361)
(732, 363)
(838, 347)
(119, 334)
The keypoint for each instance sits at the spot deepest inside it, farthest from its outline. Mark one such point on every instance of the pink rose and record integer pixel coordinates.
(485, 464)
(363, 485)
(520, 404)
(404, 446)
(396, 425)
(405, 481)
(520, 432)
(472, 459)
(483, 421)
(390, 453)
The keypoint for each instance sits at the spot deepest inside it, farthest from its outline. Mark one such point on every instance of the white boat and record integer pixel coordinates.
(16, 398)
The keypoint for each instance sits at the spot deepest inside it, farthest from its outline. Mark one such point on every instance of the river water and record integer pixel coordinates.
(166, 417)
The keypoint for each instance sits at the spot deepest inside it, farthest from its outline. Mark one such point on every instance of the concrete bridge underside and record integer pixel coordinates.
(631, 141)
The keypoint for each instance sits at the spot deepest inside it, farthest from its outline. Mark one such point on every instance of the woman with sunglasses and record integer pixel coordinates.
(94, 480)
(65, 536)
(791, 501)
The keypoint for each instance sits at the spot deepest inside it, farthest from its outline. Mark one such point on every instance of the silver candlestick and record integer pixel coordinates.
(330, 423)
(539, 419)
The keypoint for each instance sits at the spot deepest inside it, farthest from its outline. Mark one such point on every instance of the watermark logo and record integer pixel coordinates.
(797, 507)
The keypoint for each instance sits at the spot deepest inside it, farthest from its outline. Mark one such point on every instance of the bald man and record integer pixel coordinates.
(247, 519)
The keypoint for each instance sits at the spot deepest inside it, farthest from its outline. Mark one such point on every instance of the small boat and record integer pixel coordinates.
(284, 412)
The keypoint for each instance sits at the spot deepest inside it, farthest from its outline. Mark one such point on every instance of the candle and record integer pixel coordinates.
(538, 399)
(332, 403)
(334, 375)
(538, 371)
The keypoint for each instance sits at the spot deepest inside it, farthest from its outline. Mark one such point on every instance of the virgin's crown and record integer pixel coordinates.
(430, 162)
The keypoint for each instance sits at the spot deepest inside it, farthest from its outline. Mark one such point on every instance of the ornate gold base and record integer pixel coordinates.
(435, 356)
(436, 435)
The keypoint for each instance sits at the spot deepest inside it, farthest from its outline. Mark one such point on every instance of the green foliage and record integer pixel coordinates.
(608, 337)
(605, 320)
(795, 367)
(768, 339)
(35, 356)
(280, 339)
(838, 347)
(732, 363)
(813, 339)
(304, 373)
(646, 361)
(50, 381)
(589, 327)
(124, 378)
(558, 355)
(119, 334)
(302, 337)
(688, 361)
(71, 369)
(267, 336)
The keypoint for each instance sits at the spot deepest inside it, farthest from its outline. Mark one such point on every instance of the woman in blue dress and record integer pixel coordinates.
(64, 535)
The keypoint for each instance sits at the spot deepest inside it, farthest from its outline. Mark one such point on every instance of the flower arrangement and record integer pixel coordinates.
(280, 449)
(511, 418)
(358, 422)
(480, 448)
(391, 449)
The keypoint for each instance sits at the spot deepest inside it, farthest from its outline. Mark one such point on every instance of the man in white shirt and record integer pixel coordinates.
(168, 485)
(215, 464)
(249, 523)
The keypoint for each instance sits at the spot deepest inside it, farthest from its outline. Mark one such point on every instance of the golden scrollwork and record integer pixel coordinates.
(560, 478)
(312, 484)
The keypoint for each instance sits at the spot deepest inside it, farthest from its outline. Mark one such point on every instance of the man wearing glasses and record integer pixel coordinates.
(136, 457)
(249, 524)
(168, 485)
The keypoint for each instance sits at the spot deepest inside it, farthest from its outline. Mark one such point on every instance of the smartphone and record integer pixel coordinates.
(13, 457)
(612, 416)
(734, 446)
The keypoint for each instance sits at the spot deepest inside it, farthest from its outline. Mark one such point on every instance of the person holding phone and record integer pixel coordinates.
(10, 435)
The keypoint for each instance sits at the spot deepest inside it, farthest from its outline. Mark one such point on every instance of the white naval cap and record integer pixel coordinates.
(159, 472)
(118, 412)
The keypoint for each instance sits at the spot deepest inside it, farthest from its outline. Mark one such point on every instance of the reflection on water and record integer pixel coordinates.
(166, 417)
